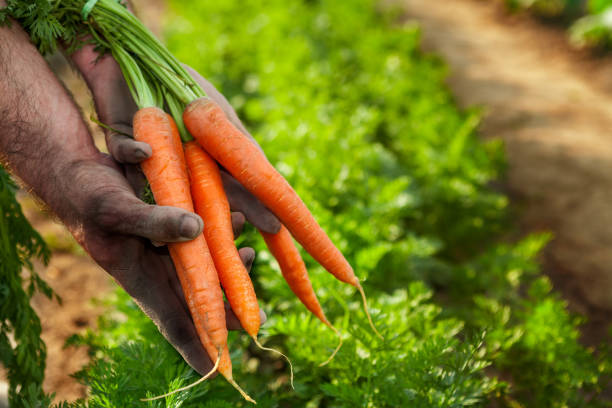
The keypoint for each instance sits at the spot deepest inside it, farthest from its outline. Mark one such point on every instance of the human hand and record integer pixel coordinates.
(116, 109)
(116, 229)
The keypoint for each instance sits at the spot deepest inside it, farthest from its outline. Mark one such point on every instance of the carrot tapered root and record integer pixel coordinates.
(240, 390)
(337, 348)
(367, 312)
(277, 352)
(211, 372)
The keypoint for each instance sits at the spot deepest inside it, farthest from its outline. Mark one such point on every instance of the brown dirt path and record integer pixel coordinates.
(552, 106)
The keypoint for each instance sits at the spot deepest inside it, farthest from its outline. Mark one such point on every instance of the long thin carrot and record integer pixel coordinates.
(212, 205)
(209, 125)
(294, 271)
(166, 171)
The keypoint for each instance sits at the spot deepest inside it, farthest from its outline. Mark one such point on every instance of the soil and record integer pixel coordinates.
(552, 106)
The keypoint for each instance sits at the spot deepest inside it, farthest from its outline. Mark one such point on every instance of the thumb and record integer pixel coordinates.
(130, 216)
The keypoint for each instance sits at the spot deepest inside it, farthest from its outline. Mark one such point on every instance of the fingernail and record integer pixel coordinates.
(249, 262)
(140, 154)
(190, 226)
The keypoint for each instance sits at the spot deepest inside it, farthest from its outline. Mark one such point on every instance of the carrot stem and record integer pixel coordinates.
(176, 110)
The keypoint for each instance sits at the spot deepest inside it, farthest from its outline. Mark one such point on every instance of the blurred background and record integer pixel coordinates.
(461, 145)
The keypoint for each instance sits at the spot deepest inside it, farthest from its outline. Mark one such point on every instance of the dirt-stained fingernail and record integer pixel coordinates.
(140, 154)
(249, 262)
(190, 226)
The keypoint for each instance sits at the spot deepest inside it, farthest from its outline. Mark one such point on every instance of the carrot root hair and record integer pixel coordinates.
(277, 352)
(211, 372)
(240, 390)
(337, 347)
(367, 311)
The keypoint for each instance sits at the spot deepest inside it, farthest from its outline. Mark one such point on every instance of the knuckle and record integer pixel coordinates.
(122, 149)
(102, 209)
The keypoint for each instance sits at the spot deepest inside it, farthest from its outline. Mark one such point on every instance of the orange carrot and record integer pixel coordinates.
(211, 204)
(209, 125)
(166, 171)
(294, 271)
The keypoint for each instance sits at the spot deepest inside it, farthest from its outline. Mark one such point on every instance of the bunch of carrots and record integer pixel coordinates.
(189, 144)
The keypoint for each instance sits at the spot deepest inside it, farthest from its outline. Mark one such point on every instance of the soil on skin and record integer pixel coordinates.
(552, 106)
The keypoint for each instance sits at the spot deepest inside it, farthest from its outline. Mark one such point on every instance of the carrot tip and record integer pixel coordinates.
(337, 348)
(277, 352)
(241, 391)
(367, 312)
(188, 386)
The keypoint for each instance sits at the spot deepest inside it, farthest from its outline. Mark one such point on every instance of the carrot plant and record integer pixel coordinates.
(589, 21)
(22, 351)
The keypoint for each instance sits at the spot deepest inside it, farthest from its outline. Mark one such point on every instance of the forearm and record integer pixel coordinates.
(42, 135)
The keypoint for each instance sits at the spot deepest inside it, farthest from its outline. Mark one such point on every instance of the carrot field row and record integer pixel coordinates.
(360, 122)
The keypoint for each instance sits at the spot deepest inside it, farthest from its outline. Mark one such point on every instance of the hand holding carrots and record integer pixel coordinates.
(116, 229)
(114, 237)
(115, 107)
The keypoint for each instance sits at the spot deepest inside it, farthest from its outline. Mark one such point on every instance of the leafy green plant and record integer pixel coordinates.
(22, 352)
(595, 29)
(548, 8)
(422, 363)
(589, 21)
(597, 6)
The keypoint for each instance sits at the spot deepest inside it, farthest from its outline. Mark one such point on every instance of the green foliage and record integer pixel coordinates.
(549, 359)
(594, 30)
(359, 121)
(597, 6)
(548, 8)
(529, 334)
(422, 363)
(39, 20)
(590, 21)
(22, 352)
